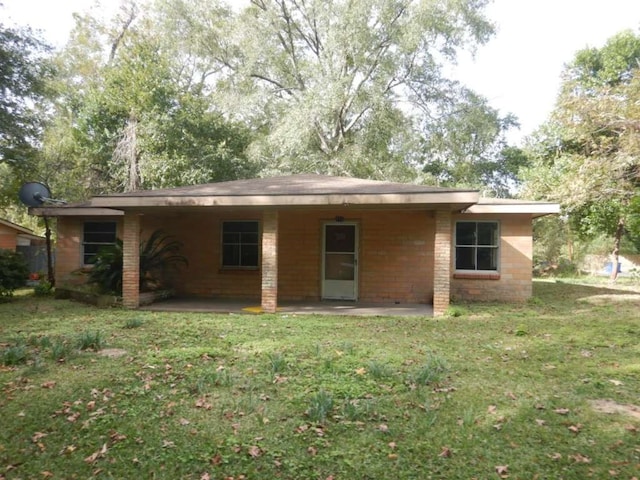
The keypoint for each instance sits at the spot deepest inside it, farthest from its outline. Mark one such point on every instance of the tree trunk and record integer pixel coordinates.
(47, 235)
(615, 255)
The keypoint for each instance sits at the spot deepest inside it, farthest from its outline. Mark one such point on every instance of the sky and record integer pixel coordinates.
(518, 70)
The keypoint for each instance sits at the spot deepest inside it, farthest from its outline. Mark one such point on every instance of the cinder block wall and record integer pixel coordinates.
(515, 268)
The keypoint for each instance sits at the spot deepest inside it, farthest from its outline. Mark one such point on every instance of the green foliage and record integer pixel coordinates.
(588, 156)
(434, 370)
(90, 340)
(326, 84)
(14, 355)
(43, 288)
(506, 399)
(320, 406)
(14, 273)
(158, 253)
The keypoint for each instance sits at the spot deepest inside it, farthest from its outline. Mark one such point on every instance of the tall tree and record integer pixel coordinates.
(338, 86)
(133, 112)
(466, 145)
(24, 70)
(588, 155)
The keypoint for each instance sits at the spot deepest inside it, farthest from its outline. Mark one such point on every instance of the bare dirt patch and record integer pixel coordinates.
(609, 406)
(112, 352)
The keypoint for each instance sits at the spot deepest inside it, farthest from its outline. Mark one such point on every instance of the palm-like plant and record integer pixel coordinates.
(158, 253)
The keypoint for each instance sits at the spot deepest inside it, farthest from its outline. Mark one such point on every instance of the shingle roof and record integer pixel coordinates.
(305, 184)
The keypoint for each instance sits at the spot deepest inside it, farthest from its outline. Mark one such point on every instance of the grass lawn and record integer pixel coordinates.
(544, 390)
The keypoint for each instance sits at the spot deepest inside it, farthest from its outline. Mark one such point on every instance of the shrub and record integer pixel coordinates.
(14, 273)
(43, 288)
(157, 253)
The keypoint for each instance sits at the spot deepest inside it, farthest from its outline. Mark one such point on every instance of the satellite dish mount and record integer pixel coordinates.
(37, 194)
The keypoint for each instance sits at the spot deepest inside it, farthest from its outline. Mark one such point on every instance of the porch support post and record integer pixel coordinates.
(269, 301)
(442, 263)
(131, 261)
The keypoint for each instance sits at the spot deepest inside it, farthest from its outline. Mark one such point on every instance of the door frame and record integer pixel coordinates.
(356, 254)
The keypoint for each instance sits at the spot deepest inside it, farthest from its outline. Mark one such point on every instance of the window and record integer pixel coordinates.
(97, 235)
(240, 244)
(477, 246)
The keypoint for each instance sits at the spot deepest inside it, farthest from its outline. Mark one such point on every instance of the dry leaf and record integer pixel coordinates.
(205, 476)
(575, 428)
(578, 458)
(445, 453)
(617, 383)
(383, 428)
(37, 436)
(540, 422)
(216, 459)
(555, 456)
(184, 421)
(392, 445)
(48, 384)
(502, 469)
(562, 411)
(313, 451)
(492, 409)
(393, 456)
(361, 371)
(254, 451)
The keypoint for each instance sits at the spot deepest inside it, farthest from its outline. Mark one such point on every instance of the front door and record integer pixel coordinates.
(340, 261)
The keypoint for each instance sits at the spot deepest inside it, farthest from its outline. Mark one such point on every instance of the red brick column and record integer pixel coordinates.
(131, 261)
(269, 261)
(442, 263)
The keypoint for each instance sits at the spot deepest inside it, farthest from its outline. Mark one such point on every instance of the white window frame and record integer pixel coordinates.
(222, 245)
(475, 246)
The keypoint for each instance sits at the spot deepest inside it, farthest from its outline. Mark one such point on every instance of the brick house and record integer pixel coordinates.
(313, 237)
(13, 236)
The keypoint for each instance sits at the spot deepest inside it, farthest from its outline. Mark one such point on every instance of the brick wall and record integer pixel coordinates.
(131, 260)
(442, 262)
(8, 238)
(515, 268)
(395, 264)
(68, 248)
(270, 254)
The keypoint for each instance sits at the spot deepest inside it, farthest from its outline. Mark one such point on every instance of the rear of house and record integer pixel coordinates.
(311, 238)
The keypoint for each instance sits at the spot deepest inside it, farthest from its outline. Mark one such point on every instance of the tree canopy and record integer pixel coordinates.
(587, 156)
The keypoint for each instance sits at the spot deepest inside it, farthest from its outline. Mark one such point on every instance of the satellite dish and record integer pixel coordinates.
(34, 194)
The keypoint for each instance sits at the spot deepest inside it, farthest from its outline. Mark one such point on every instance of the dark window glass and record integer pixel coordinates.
(477, 245)
(340, 238)
(96, 235)
(240, 244)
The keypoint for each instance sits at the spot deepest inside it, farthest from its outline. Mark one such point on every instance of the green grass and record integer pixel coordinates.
(196, 396)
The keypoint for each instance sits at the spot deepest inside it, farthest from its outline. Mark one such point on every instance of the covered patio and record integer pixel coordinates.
(360, 309)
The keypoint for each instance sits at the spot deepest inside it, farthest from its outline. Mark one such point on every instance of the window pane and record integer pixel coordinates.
(340, 238)
(240, 244)
(231, 255)
(249, 256)
(465, 233)
(91, 227)
(465, 258)
(487, 233)
(487, 258)
(250, 238)
(231, 238)
(339, 266)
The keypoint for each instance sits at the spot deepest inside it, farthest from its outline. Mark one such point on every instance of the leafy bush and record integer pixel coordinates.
(14, 273)
(158, 253)
(43, 288)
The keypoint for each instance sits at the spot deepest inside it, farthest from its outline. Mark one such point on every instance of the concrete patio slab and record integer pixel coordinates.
(291, 308)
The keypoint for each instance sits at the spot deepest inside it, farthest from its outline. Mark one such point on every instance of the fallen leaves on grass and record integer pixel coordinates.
(502, 470)
(579, 458)
(254, 451)
(562, 411)
(575, 428)
(97, 454)
(445, 452)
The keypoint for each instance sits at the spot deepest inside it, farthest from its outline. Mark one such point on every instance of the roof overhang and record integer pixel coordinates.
(452, 200)
(535, 209)
(74, 212)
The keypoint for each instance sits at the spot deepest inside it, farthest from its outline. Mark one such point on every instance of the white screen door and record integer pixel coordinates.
(340, 261)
